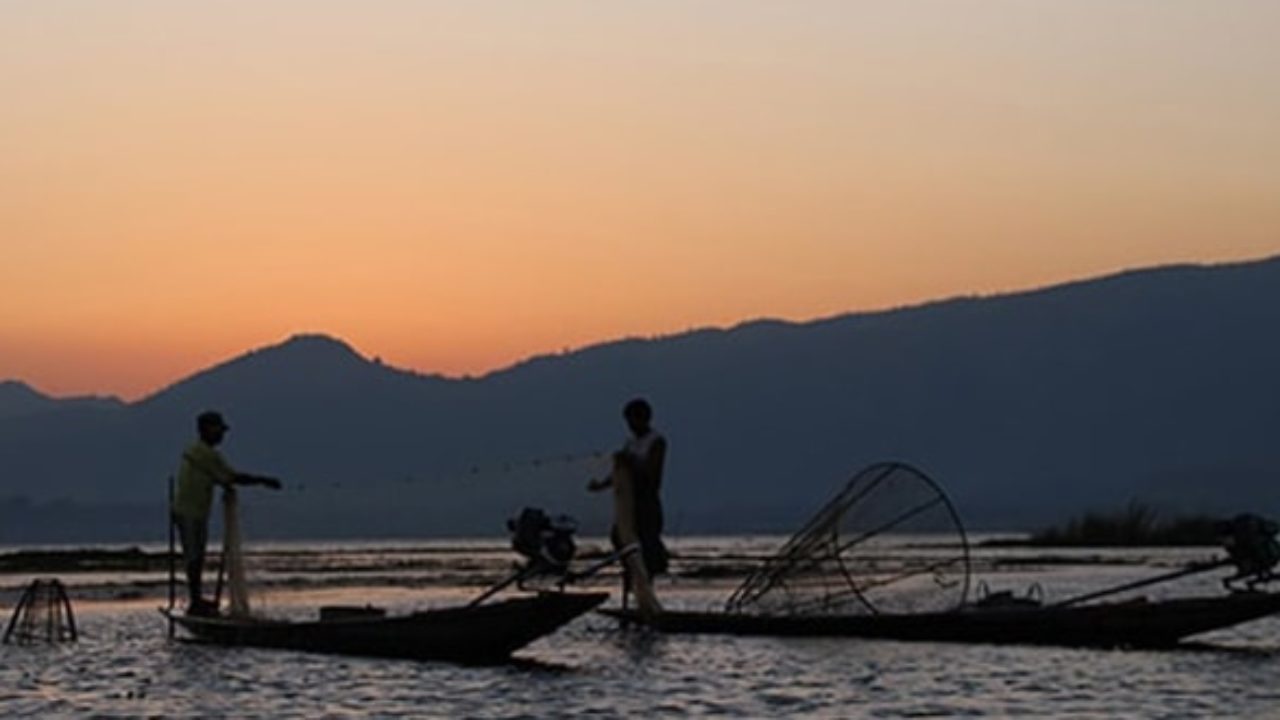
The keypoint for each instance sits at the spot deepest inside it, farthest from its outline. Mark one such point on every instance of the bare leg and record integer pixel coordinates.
(625, 523)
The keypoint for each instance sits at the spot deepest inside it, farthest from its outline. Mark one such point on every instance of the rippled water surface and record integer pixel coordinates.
(125, 666)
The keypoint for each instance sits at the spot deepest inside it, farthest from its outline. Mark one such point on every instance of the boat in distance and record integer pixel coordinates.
(473, 634)
(1133, 624)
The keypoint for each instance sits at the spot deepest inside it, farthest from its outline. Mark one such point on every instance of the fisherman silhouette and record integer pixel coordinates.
(201, 468)
(643, 457)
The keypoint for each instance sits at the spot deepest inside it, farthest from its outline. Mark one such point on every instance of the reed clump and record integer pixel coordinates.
(1136, 524)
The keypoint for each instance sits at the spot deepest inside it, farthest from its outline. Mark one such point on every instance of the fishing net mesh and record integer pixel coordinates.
(890, 542)
(238, 575)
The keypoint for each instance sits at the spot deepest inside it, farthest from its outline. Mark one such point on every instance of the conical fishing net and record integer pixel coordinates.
(890, 542)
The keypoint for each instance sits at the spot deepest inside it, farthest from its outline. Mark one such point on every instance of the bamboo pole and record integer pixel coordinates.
(1189, 570)
(173, 564)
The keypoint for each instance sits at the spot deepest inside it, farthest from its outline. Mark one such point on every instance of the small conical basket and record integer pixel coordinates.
(42, 615)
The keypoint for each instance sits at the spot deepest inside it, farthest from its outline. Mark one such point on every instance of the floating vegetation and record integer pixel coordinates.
(1137, 524)
(83, 560)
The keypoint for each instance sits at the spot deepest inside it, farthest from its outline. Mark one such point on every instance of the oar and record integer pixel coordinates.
(173, 566)
(1192, 569)
(217, 587)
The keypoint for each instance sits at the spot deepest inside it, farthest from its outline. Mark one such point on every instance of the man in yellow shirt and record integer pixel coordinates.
(201, 468)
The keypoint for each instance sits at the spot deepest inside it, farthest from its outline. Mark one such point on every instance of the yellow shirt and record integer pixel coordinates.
(201, 467)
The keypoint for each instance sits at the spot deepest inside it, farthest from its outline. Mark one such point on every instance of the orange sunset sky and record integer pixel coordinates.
(454, 186)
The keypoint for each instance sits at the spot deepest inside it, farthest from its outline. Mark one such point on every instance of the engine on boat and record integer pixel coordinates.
(1250, 542)
(546, 541)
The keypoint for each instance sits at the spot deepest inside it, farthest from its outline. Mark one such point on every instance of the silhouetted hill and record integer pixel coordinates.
(18, 399)
(1158, 384)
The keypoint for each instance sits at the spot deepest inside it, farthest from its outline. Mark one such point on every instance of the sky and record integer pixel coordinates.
(455, 186)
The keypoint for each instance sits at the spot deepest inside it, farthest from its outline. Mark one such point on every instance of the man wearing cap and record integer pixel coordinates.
(201, 468)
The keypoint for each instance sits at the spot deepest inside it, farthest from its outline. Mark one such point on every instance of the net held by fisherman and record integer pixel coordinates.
(201, 468)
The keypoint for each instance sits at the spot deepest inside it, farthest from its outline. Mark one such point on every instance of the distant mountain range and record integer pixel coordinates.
(1160, 384)
(18, 399)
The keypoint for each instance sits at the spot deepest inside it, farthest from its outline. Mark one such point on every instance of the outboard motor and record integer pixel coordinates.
(546, 541)
(1250, 542)
(548, 544)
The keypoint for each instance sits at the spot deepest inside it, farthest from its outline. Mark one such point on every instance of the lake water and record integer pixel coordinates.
(125, 666)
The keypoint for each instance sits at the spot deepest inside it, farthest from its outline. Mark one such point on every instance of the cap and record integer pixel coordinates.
(211, 419)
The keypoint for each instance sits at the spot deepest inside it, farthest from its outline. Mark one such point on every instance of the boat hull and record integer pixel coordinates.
(481, 634)
(1138, 624)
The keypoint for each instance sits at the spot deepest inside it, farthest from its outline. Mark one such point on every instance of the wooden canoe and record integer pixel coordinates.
(486, 633)
(1137, 623)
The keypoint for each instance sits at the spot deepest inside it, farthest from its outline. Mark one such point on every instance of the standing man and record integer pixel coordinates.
(201, 468)
(644, 455)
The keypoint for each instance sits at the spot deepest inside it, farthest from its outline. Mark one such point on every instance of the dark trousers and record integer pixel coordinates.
(194, 534)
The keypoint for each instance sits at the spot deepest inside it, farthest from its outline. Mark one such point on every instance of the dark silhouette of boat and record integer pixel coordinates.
(837, 578)
(480, 634)
(484, 631)
(1134, 623)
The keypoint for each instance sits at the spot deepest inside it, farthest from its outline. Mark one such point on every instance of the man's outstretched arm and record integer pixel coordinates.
(263, 480)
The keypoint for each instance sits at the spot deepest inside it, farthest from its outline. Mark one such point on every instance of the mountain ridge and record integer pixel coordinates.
(1027, 406)
(335, 343)
(17, 399)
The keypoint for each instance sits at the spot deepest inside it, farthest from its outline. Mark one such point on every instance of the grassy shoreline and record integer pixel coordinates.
(1137, 525)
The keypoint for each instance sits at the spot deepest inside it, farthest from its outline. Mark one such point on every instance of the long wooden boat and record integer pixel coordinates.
(1137, 623)
(486, 633)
